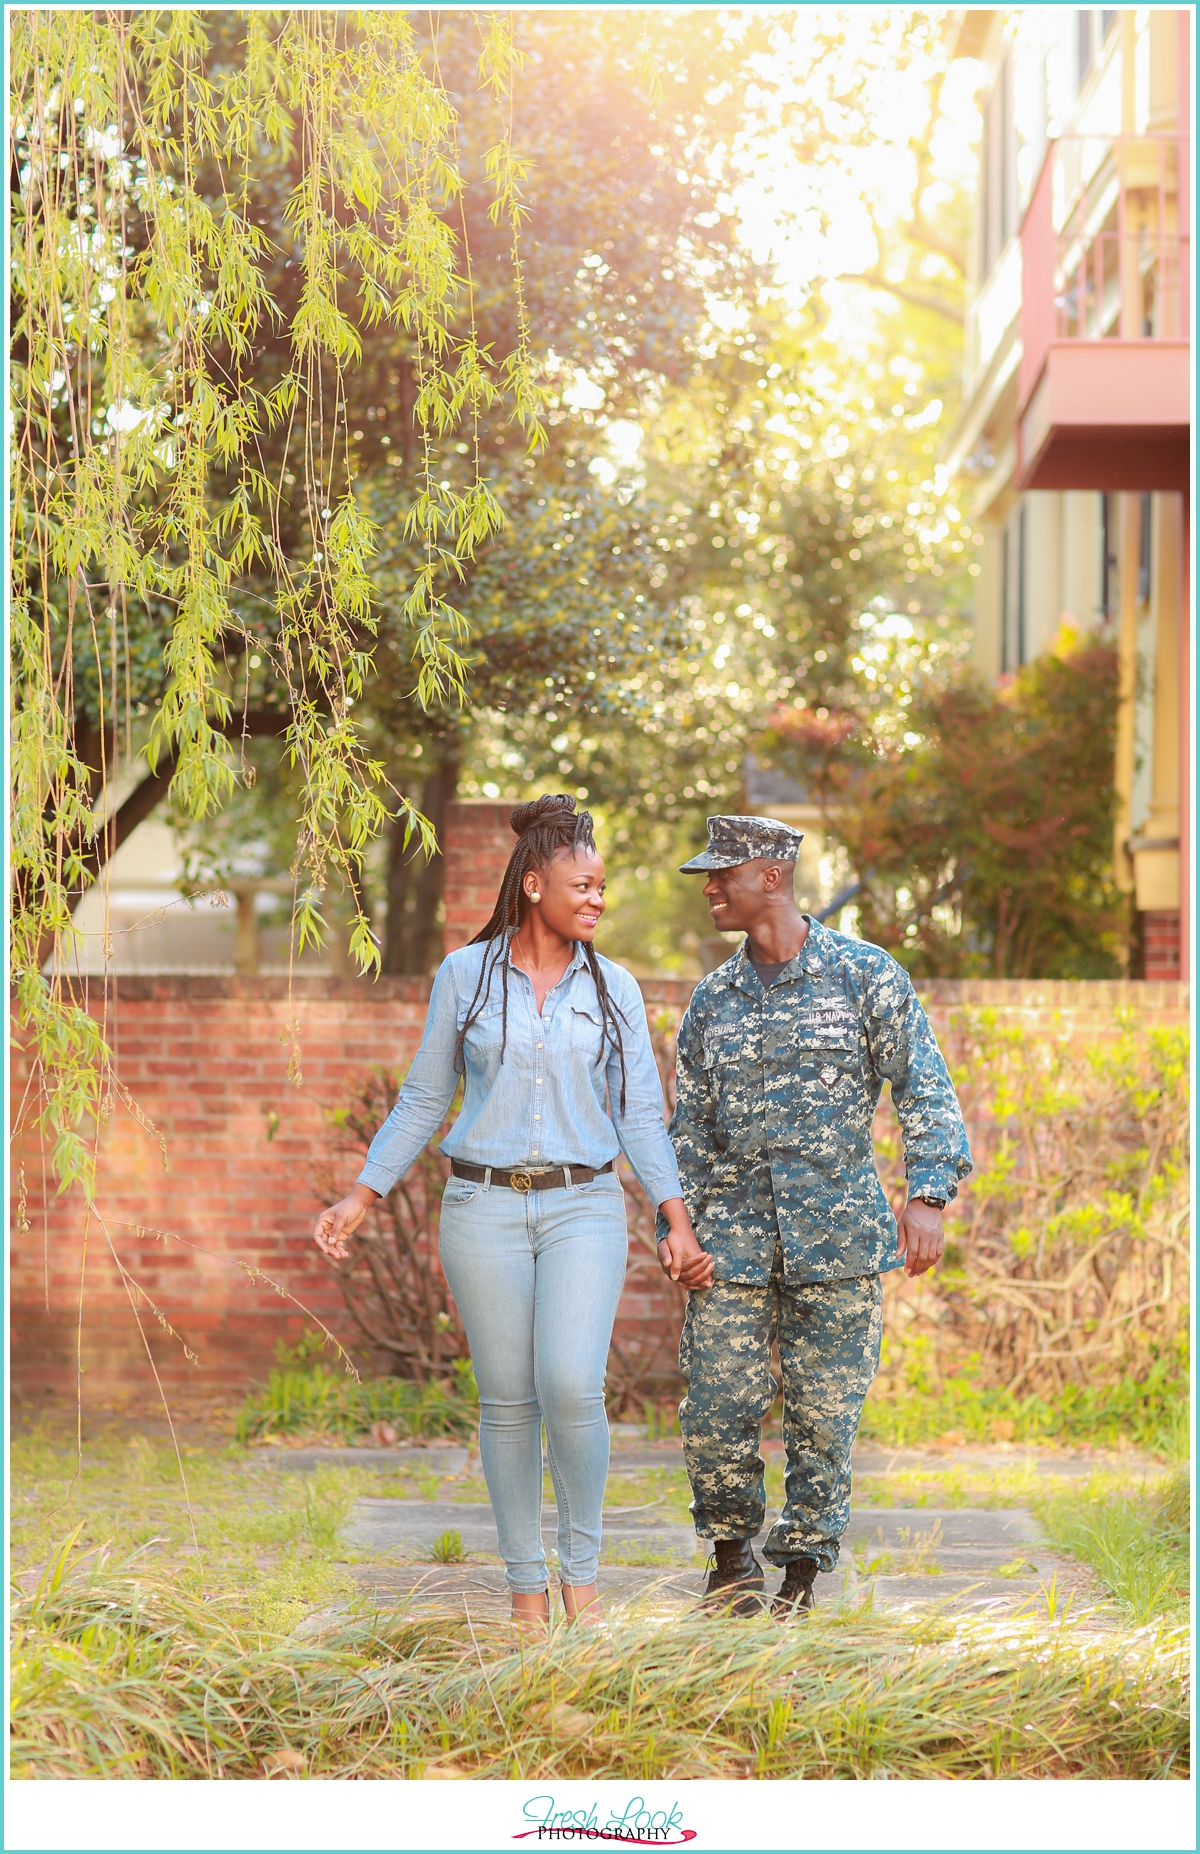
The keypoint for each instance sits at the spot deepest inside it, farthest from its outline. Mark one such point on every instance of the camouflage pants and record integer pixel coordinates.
(828, 1334)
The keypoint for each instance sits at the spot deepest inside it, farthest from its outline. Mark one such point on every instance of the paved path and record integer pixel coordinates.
(957, 1559)
(633, 1455)
(993, 1560)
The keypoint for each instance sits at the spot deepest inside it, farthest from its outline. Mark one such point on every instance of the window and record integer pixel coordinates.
(1108, 556)
(1086, 53)
(1014, 644)
(1145, 526)
(1092, 27)
(998, 168)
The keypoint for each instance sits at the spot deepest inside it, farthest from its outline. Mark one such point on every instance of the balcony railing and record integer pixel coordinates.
(1121, 251)
(1105, 245)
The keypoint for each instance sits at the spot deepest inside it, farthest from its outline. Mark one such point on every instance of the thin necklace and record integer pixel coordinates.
(516, 940)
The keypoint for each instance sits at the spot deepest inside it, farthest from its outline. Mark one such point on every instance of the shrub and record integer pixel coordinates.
(983, 836)
(391, 1280)
(303, 1397)
(1067, 1265)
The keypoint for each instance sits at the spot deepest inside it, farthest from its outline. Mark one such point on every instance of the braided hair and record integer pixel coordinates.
(545, 828)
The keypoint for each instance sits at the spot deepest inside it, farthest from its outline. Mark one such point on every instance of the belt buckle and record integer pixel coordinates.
(520, 1181)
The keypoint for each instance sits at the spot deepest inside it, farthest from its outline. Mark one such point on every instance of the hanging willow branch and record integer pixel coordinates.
(209, 211)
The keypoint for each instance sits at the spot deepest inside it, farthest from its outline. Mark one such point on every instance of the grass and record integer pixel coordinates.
(1152, 1414)
(304, 1397)
(118, 1673)
(266, 1538)
(135, 1656)
(660, 1420)
(916, 1557)
(310, 1400)
(1138, 1541)
(958, 1484)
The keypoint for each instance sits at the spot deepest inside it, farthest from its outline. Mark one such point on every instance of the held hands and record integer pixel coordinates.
(920, 1238)
(679, 1254)
(334, 1226)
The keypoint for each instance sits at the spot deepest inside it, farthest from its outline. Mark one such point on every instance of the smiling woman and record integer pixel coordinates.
(558, 1076)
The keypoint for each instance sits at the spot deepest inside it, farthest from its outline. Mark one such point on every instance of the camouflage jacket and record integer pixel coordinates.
(776, 1095)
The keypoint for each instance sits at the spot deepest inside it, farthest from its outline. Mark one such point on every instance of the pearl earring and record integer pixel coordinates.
(535, 894)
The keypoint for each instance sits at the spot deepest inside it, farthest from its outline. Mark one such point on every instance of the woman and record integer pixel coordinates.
(559, 1076)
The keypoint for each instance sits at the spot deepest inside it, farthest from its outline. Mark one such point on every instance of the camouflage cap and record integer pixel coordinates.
(745, 840)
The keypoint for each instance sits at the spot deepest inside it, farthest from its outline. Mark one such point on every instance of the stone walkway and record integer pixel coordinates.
(958, 1559)
(989, 1560)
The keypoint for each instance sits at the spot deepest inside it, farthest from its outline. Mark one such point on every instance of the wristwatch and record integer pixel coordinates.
(923, 1197)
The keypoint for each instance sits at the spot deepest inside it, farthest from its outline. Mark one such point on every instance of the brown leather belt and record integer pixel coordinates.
(544, 1180)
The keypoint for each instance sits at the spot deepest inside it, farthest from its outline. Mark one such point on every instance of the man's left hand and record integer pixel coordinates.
(921, 1238)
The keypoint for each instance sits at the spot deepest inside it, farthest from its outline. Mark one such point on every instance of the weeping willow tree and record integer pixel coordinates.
(208, 213)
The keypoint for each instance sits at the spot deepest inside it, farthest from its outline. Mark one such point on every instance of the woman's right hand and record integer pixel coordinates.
(679, 1253)
(333, 1226)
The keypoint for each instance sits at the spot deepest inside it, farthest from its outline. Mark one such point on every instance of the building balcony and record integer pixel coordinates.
(1104, 388)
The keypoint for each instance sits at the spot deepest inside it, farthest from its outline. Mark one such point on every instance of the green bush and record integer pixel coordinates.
(1065, 1284)
(303, 1397)
(1152, 1414)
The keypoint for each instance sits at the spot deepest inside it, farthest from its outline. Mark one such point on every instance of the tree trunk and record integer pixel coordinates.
(413, 936)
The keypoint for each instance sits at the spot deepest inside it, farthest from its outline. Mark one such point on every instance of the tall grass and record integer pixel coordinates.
(1151, 1414)
(311, 1400)
(116, 1674)
(1139, 1543)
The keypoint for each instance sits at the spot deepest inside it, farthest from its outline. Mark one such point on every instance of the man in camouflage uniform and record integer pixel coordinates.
(782, 1054)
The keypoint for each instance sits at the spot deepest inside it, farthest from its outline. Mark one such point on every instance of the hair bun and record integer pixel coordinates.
(550, 804)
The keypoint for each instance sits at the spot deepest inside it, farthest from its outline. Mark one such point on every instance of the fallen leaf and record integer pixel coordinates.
(570, 1722)
(564, 1721)
(284, 1764)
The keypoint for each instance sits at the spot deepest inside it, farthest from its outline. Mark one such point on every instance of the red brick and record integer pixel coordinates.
(1161, 944)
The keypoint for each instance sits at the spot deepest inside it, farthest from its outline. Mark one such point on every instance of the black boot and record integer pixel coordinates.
(795, 1593)
(735, 1581)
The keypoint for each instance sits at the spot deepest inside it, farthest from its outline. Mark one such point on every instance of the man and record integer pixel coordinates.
(782, 1054)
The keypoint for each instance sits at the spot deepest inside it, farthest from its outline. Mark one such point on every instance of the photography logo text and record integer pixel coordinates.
(633, 1825)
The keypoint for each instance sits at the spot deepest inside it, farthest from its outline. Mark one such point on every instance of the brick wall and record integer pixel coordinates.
(206, 1061)
(1160, 944)
(479, 842)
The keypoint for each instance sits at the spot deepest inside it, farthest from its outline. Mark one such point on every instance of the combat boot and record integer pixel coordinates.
(735, 1581)
(795, 1593)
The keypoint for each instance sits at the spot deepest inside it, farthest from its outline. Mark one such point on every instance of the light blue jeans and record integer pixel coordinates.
(537, 1279)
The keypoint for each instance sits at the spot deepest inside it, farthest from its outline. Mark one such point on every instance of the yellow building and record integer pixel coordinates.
(1073, 440)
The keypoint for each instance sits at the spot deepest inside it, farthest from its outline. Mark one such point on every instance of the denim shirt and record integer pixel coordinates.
(554, 1100)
